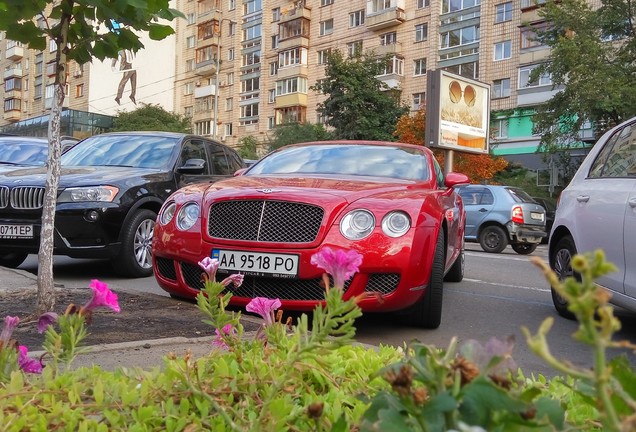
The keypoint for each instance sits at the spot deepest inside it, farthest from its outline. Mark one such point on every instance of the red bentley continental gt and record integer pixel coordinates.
(389, 201)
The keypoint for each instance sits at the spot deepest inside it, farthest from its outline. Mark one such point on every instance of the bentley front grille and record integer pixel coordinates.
(281, 288)
(27, 197)
(265, 221)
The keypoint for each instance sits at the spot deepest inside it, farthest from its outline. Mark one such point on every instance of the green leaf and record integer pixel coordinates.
(159, 32)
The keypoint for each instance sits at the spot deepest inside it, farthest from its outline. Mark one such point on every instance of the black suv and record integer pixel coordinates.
(111, 188)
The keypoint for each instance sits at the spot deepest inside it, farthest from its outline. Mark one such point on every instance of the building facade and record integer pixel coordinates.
(240, 67)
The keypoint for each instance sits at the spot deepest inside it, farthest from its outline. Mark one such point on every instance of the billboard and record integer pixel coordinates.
(457, 112)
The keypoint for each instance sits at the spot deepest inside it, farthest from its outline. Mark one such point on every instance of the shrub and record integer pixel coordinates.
(290, 378)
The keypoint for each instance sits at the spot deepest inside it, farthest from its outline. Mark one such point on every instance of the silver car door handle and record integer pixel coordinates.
(583, 198)
(632, 203)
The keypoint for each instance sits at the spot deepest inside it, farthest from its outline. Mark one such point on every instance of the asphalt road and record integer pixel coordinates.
(499, 294)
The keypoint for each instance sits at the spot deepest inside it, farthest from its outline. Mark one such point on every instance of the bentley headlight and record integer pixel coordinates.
(187, 216)
(396, 224)
(357, 224)
(89, 193)
(167, 213)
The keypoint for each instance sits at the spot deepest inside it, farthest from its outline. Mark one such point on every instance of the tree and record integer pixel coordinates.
(81, 30)
(592, 63)
(151, 117)
(478, 167)
(358, 105)
(248, 147)
(292, 133)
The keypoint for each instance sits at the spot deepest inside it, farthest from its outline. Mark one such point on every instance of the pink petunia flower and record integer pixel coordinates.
(10, 323)
(236, 279)
(264, 307)
(102, 296)
(219, 340)
(26, 363)
(210, 265)
(340, 264)
(45, 320)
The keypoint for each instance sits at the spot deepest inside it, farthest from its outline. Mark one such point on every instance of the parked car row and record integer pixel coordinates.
(111, 189)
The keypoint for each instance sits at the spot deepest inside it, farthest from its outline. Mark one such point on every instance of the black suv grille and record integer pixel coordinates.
(265, 221)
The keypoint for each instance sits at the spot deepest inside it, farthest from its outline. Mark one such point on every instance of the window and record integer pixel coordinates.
(326, 2)
(524, 78)
(79, 90)
(354, 48)
(273, 68)
(271, 122)
(229, 104)
(191, 18)
(529, 39)
(276, 14)
(232, 29)
(388, 38)
(230, 53)
(291, 85)
(13, 84)
(251, 58)
(617, 158)
(457, 5)
(501, 88)
(231, 4)
(462, 36)
(380, 5)
(423, 3)
(419, 100)
(421, 32)
(323, 56)
(503, 12)
(190, 42)
(503, 50)
(419, 67)
(500, 128)
(250, 84)
(230, 78)
(188, 88)
(274, 41)
(250, 110)
(272, 96)
(189, 65)
(290, 57)
(228, 129)
(202, 128)
(394, 65)
(326, 27)
(52, 46)
(252, 32)
(12, 105)
(356, 18)
(251, 6)
(187, 111)
(468, 70)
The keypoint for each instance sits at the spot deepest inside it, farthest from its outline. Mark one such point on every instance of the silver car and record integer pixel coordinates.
(597, 210)
(500, 215)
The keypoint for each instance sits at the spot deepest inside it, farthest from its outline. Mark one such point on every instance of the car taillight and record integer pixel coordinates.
(517, 215)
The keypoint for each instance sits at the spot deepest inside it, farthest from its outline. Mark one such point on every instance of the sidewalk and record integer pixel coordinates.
(141, 353)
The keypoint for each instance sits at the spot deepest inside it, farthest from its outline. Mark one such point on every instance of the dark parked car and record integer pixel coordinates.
(18, 151)
(500, 215)
(111, 189)
(550, 210)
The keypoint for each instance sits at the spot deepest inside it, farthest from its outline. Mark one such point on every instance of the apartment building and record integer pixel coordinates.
(270, 52)
(240, 67)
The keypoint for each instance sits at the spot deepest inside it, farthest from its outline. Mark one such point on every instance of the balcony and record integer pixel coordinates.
(14, 53)
(291, 100)
(393, 81)
(389, 49)
(12, 115)
(206, 68)
(533, 55)
(293, 42)
(204, 91)
(13, 72)
(385, 18)
(293, 12)
(291, 71)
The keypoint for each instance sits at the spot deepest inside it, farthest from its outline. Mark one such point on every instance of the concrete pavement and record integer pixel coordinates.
(142, 353)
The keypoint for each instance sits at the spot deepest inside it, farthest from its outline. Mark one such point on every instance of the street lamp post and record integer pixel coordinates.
(216, 79)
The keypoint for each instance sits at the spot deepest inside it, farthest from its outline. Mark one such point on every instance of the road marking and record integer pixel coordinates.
(508, 285)
(501, 256)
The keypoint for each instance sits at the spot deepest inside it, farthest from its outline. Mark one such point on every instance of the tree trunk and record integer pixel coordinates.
(46, 293)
